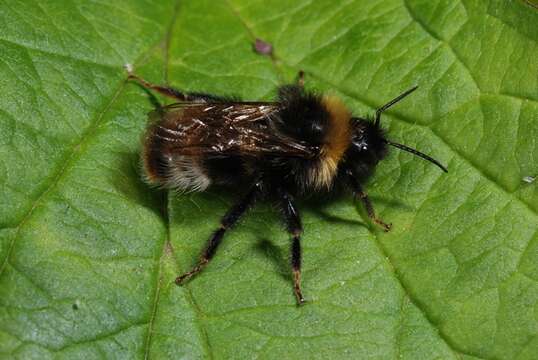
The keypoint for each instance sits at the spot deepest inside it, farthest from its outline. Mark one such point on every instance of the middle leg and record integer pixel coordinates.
(293, 224)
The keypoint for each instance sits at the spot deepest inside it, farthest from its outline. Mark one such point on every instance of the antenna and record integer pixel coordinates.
(416, 152)
(379, 111)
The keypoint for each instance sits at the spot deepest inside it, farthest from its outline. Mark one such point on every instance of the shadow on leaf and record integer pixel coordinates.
(276, 255)
(128, 181)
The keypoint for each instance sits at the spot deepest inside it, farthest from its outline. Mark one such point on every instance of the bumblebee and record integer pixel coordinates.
(302, 143)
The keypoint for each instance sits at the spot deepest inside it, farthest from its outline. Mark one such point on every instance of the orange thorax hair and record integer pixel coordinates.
(335, 143)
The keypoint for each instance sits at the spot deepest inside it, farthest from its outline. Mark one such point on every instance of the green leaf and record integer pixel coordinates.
(88, 252)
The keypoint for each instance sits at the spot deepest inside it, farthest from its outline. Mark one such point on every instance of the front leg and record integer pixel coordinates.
(361, 195)
(293, 224)
(228, 220)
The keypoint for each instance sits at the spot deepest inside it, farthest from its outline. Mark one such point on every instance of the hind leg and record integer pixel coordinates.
(228, 220)
(172, 92)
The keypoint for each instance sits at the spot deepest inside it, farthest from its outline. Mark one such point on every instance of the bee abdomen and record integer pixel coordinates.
(187, 174)
(155, 164)
(165, 169)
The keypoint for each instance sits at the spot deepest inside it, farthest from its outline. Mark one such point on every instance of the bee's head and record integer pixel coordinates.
(369, 144)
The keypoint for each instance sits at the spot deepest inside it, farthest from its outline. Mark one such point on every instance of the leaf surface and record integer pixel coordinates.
(88, 252)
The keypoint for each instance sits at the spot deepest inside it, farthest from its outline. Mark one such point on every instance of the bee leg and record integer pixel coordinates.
(300, 78)
(361, 195)
(164, 90)
(228, 220)
(174, 93)
(293, 224)
(370, 211)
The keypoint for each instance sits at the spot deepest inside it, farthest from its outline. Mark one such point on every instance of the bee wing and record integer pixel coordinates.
(224, 129)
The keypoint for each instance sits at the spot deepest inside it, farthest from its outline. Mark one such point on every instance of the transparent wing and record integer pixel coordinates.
(224, 129)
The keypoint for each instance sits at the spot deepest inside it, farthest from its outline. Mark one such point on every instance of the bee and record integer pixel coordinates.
(303, 143)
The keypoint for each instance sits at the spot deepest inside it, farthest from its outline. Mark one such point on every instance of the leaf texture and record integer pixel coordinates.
(88, 253)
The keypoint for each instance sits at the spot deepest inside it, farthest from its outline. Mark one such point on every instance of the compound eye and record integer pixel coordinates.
(360, 144)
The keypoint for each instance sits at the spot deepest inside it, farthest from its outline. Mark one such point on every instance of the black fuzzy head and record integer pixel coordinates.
(368, 147)
(369, 144)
